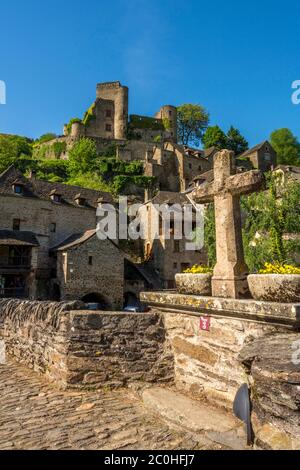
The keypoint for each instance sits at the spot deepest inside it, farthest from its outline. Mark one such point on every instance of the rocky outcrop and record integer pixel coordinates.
(273, 366)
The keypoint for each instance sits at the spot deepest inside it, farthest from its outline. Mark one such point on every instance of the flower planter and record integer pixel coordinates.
(282, 288)
(197, 284)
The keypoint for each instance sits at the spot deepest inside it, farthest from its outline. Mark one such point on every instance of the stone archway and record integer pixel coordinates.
(130, 298)
(96, 298)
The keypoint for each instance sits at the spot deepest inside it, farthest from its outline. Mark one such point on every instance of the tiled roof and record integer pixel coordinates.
(35, 188)
(15, 237)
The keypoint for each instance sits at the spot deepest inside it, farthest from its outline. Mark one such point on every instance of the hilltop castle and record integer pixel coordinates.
(152, 140)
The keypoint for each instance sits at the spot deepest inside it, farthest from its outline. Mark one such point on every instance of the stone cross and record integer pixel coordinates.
(230, 273)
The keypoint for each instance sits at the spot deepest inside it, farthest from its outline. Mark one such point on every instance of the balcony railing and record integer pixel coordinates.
(15, 261)
(13, 293)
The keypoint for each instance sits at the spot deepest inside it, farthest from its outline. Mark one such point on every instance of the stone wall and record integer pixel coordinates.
(77, 348)
(273, 367)
(207, 362)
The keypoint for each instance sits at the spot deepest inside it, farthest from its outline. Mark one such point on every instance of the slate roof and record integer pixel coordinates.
(208, 176)
(168, 197)
(15, 237)
(254, 149)
(78, 239)
(74, 240)
(210, 152)
(35, 188)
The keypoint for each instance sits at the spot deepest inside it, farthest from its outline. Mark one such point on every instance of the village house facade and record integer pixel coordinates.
(165, 253)
(48, 245)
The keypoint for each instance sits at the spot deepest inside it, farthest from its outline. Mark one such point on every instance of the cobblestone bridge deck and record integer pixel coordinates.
(34, 415)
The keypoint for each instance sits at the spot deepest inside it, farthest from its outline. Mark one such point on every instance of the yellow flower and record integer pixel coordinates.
(199, 269)
(277, 268)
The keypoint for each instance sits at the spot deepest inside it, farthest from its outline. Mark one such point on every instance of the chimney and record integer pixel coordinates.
(32, 173)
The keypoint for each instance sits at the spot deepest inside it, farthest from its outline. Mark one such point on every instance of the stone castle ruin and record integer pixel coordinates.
(152, 140)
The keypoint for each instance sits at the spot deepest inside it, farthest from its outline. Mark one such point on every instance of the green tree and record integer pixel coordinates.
(83, 156)
(210, 234)
(14, 148)
(46, 138)
(286, 146)
(267, 216)
(214, 137)
(90, 180)
(192, 120)
(236, 142)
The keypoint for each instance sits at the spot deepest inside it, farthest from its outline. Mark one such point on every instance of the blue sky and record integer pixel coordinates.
(236, 58)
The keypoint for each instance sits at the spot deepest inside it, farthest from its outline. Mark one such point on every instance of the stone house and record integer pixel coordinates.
(93, 267)
(262, 156)
(38, 216)
(165, 254)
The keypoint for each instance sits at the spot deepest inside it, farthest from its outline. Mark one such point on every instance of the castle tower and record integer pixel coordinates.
(169, 113)
(117, 93)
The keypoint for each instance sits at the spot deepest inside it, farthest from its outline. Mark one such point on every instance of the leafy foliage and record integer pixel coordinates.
(89, 180)
(12, 148)
(233, 140)
(89, 115)
(121, 182)
(236, 142)
(72, 121)
(210, 234)
(59, 148)
(192, 120)
(267, 217)
(46, 138)
(286, 146)
(145, 122)
(214, 137)
(83, 156)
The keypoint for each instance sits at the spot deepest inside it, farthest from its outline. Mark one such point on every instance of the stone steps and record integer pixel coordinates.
(203, 420)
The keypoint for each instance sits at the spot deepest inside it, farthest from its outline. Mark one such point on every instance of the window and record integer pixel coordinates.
(90, 261)
(170, 113)
(52, 227)
(184, 266)
(267, 157)
(190, 166)
(18, 189)
(56, 197)
(108, 113)
(176, 246)
(172, 227)
(80, 201)
(108, 127)
(160, 226)
(199, 168)
(16, 224)
(175, 265)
